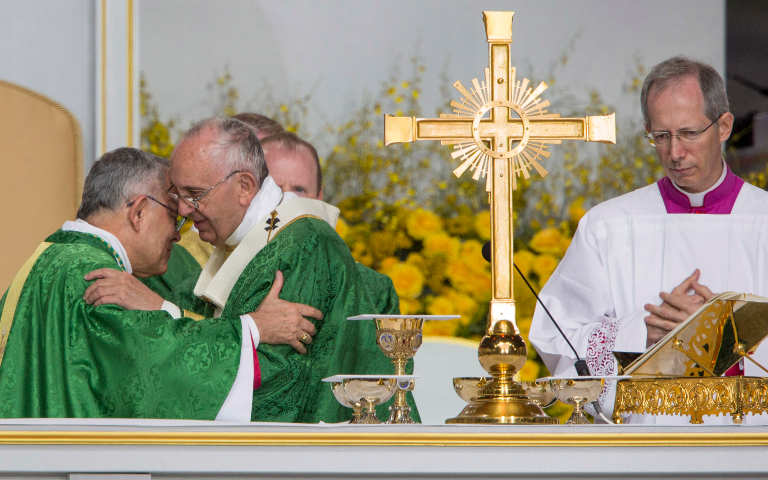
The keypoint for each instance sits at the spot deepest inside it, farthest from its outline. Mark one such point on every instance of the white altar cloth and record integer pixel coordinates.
(55, 448)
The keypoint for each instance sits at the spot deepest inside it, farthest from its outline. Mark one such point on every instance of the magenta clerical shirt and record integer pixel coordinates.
(718, 201)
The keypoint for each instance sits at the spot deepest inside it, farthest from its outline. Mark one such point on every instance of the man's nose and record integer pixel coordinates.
(185, 209)
(676, 147)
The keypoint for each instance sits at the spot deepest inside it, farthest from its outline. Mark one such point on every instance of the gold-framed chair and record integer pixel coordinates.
(41, 172)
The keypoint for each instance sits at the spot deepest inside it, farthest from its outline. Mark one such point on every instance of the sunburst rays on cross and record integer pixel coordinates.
(475, 103)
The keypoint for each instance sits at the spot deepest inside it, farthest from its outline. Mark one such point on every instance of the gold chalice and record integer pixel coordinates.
(399, 337)
(362, 393)
(577, 391)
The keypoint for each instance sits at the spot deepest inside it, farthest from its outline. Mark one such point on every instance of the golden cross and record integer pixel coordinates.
(499, 129)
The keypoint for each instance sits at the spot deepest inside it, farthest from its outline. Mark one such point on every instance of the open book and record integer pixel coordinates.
(713, 339)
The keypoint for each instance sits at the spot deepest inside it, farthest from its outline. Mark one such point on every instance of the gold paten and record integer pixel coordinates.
(500, 128)
(682, 373)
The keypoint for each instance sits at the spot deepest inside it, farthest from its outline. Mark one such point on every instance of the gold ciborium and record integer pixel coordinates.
(577, 391)
(362, 393)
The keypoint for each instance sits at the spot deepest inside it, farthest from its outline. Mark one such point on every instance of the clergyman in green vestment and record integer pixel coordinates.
(62, 357)
(261, 234)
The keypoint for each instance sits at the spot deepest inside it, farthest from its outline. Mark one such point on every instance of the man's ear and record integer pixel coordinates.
(725, 126)
(137, 213)
(248, 188)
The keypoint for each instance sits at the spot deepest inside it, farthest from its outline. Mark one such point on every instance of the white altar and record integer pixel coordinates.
(144, 449)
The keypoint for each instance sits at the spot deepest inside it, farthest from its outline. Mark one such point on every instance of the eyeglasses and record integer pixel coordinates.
(662, 138)
(180, 221)
(194, 200)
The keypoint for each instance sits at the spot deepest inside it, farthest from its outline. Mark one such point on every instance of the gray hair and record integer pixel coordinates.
(118, 176)
(239, 143)
(710, 82)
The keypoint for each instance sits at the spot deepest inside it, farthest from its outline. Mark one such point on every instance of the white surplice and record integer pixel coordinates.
(624, 252)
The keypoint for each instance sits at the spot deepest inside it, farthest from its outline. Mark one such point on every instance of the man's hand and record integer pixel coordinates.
(677, 306)
(120, 288)
(282, 322)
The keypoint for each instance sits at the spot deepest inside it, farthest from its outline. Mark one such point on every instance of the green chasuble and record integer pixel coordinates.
(182, 272)
(65, 358)
(319, 270)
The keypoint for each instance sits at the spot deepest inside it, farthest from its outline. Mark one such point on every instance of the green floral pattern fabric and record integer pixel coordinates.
(65, 358)
(319, 271)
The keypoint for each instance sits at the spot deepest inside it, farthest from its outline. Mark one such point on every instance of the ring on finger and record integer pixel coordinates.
(305, 338)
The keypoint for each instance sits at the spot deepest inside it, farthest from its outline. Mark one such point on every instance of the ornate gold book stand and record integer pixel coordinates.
(682, 373)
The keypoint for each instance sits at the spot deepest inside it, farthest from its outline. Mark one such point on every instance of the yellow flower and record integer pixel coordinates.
(409, 306)
(524, 261)
(421, 223)
(443, 328)
(524, 325)
(480, 287)
(543, 266)
(472, 253)
(387, 264)
(576, 210)
(408, 280)
(467, 280)
(382, 244)
(529, 372)
(402, 240)
(441, 244)
(417, 261)
(342, 228)
(483, 225)
(463, 305)
(549, 240)
(441, 305)
(460, 225)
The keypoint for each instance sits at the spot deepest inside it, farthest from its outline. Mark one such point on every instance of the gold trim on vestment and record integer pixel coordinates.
(306, 215)
(192, 315)
(506, 439)
(13, 295)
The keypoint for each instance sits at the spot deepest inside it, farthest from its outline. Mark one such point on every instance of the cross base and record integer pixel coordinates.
(502, 353)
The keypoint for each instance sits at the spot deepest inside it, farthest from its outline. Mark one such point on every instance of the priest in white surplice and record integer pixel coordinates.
(643, 262)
